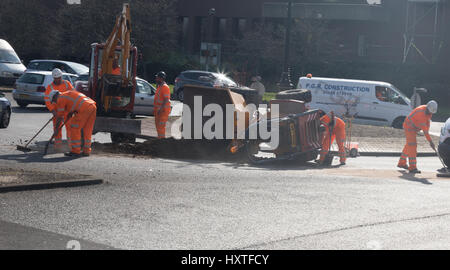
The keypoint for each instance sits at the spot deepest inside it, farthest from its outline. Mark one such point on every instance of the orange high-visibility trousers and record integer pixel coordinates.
(84, 122)
(339, 135)
(161, 122)
(410, 150)
(58, 137)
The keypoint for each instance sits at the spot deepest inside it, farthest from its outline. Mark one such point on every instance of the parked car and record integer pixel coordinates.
(143, 100)
(30, 87)
(444, 143)
(5, 111)
(211, 79)
(11, 66)
(66, 67)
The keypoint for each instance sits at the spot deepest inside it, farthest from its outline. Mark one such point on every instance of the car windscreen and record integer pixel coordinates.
(31, 78)
(7, 56)
(79, 68)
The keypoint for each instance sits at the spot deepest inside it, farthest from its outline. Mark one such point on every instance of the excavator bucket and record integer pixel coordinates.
(198, 98)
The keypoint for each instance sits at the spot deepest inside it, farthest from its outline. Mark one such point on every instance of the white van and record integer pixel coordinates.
(370, 102)
(11, 68)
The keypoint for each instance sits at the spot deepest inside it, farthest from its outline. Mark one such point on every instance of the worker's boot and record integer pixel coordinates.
(86, 154)
(403, 166)
(71, 154)
(415, 170)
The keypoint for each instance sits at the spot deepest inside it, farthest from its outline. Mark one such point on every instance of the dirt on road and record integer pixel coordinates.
(17, 177)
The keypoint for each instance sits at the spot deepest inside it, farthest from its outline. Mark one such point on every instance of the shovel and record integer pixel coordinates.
(55, 133)
(25, 148)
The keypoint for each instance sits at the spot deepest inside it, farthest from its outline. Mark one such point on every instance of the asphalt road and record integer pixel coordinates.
(197, 204)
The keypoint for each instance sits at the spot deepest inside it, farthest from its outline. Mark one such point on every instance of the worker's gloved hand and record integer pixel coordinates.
(70, 115)
(54, 113)
(432, 145)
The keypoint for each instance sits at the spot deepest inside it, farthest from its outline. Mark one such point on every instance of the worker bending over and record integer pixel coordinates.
(82, 111)
(62, 86)
(161, 104)
(419, 119)
(335, 129)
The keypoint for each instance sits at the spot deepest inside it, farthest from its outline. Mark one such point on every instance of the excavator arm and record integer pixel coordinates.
(120, 36)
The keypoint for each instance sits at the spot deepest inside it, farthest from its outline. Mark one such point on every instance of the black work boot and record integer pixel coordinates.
(71, 154)
(414, 171)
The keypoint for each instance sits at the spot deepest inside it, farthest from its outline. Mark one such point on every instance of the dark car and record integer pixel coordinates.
(211, 79)
(5, 111)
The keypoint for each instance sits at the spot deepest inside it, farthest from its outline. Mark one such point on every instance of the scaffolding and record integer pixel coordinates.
(417, 12)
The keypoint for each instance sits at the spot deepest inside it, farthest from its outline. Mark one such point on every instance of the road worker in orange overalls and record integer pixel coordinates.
(83, 112)
(62, 86)
(419, 119)
(335, 129)
(162, 106)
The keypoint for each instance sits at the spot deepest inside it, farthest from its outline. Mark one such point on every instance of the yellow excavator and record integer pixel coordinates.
(112, 81)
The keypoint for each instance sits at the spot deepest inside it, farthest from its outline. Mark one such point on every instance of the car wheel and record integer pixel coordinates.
(398, 123)
(22, 104)
(180, 94)
(5, 118)
(296, 94)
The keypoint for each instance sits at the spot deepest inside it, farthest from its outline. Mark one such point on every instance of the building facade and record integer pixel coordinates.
(394, 31)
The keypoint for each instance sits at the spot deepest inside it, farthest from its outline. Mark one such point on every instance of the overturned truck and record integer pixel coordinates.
(283, 130)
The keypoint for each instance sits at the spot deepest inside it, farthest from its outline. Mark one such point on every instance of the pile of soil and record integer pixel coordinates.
(376, 132)
(172, 148)
(15, 177)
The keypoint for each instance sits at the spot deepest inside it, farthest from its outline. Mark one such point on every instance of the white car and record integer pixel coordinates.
(144, 98)
(11, 66)
(444, 143)
(30, 87)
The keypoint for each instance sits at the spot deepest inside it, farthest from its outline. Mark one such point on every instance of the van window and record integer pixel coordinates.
(31, 78)
(9, 57)
(381, 93)
(387, 94)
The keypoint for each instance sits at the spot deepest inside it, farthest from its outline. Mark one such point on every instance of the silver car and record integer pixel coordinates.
(144, 98)
(30, 87)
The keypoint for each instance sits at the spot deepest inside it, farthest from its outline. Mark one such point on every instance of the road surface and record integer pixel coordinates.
(199, 204)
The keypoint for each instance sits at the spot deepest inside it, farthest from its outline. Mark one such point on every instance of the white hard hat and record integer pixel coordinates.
(52, 95)
(432, 106)
(57, 73)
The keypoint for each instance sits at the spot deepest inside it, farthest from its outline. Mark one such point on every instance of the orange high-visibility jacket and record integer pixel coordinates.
(418, 120)
(162, 93)
(116, 71)
(340, 124)
(72, 101)
(62, 87)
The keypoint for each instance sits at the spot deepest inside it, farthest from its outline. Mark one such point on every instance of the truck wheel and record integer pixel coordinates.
(5, 118)
(22, 104)
(296, 94)
(353, 152)
(398, 122)
(117, 138)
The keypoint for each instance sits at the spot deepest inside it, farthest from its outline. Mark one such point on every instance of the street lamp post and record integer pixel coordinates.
(285, 80)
